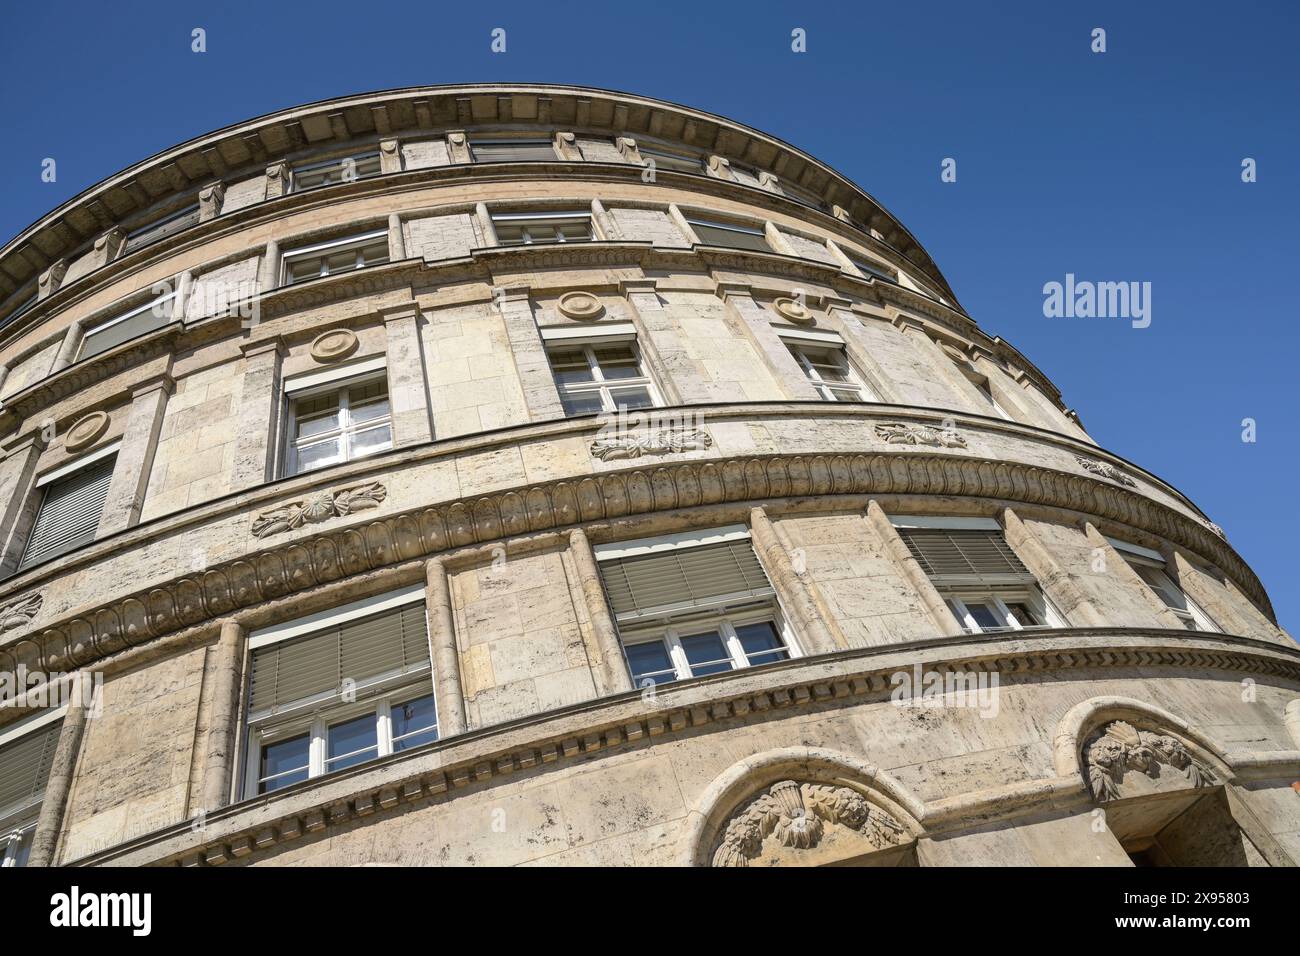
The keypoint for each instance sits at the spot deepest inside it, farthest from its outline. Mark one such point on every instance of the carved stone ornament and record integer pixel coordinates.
(86, 431)
(910, 433)
(791, 816)
(1120, 747)
(658, 441)
(19, 613)
(1105, 470)
(321, 507)
(794, 310)
(334, 345)
(580, 305)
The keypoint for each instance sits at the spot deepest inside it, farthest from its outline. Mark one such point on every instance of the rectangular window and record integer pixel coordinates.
(691, 606)
(338, 689)
(26, 755)
(162, 228)
(600, 377)
(973, 568)
(71, 506)
(730, 235)
(512, 151)
(338, 422)
(1151, 568)
(678, 162)
(329, 258)
(829, 371)
(23, 306)
(871, 270)
(129, 325)
(345, 169)
(526, 229)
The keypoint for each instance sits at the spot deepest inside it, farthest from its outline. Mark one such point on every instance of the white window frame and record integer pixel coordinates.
(540, 217)
(296, 171)
(346, 428)
(725, 623)
(760, 231)
(599, 383)
(813, 375)
(314, 716)
(998, 599)
(1153, 561)
(325, 249)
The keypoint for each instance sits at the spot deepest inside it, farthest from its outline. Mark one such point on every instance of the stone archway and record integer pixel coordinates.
(803, 807)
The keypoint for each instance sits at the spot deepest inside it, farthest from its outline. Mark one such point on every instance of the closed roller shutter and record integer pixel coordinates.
(24, 769)
(960, 557)
(709, 575)
(391, 642)
(69, 514)
(162, 229)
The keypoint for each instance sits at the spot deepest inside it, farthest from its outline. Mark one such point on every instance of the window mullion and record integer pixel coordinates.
(677, 654)
(732, 642)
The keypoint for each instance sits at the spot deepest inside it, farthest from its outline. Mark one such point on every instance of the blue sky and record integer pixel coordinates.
(1122, 166)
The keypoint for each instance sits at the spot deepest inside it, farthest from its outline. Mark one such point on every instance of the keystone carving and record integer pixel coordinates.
(1105, 470)
(318, 508)
(19, 613)
(1121, 747)
(907, 433)
(796, 816)
(660, 441)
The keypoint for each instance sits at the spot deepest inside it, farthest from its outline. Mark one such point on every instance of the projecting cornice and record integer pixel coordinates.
(342, 549)
(244, 149)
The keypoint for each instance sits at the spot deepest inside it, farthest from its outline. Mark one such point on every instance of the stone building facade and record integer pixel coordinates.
(511, 474)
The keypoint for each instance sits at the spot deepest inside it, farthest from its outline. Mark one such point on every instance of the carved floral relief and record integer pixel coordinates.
(318, 508)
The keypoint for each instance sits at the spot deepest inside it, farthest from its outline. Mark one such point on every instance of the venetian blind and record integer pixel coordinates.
(955, 557)
(69, 513)
(708, 575)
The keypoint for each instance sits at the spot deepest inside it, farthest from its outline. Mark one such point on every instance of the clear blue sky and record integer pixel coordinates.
(1116, 166)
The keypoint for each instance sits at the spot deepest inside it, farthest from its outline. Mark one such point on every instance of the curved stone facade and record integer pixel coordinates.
(517, 474)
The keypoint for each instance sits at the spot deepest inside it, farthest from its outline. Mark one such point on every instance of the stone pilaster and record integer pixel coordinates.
(268, 270)
(1118, 566)
(841, 318)
(611, 673)
(17, 475)
(448, 693)
(1055, 581)
(813, 621)
(458, 147)
(126, 491)
(757, 321)
(907, 565)
(219, 746)
(396, 239)
(50, 822)
(408, 390)
(535, 376)
(68, 348)
(277, 179)
(661, 347)
(211, 197)
(390, 156)
(1221, 612)
(259, 413)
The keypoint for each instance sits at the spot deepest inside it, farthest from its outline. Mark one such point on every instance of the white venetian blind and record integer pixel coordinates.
(707, 575)
(69, 514)
(960, 556)
(25, 767)
(392, 642)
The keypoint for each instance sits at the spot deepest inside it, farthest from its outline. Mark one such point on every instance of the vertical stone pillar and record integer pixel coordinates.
(18, 504)
(396, 240)
(840, 317)
(458, 147)
(898, 552)
(220, 745)
(59, 783)
(1055, 581)
(1118, 566)
(757, 321)
(390, 157)
(448, 694)
(408, 389)
(535, 377)
(277, 179)
(777, 240)
(268, 270)
(815, 625)
(661, 346)
(965, 394)
(679, 220)
(605, 227)
(131, 471)
(68, 348)
(259, 413)
(211, 197)
(4, 376)
(612, 676)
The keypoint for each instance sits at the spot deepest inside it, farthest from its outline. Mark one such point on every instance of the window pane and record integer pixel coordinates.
(319, 455)
(571, 367)
(414, 723)
(351, 742)
(706, 653)
(983, 615)
(284, 762)
(507, 151)
(618, 362)
(632, 396)
(717, 235)
(761, 643)
(581, 403)
(1023, 615)
(375, 254)
(341, 261)
(649, 660)
(300, 269)
(371, 440)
